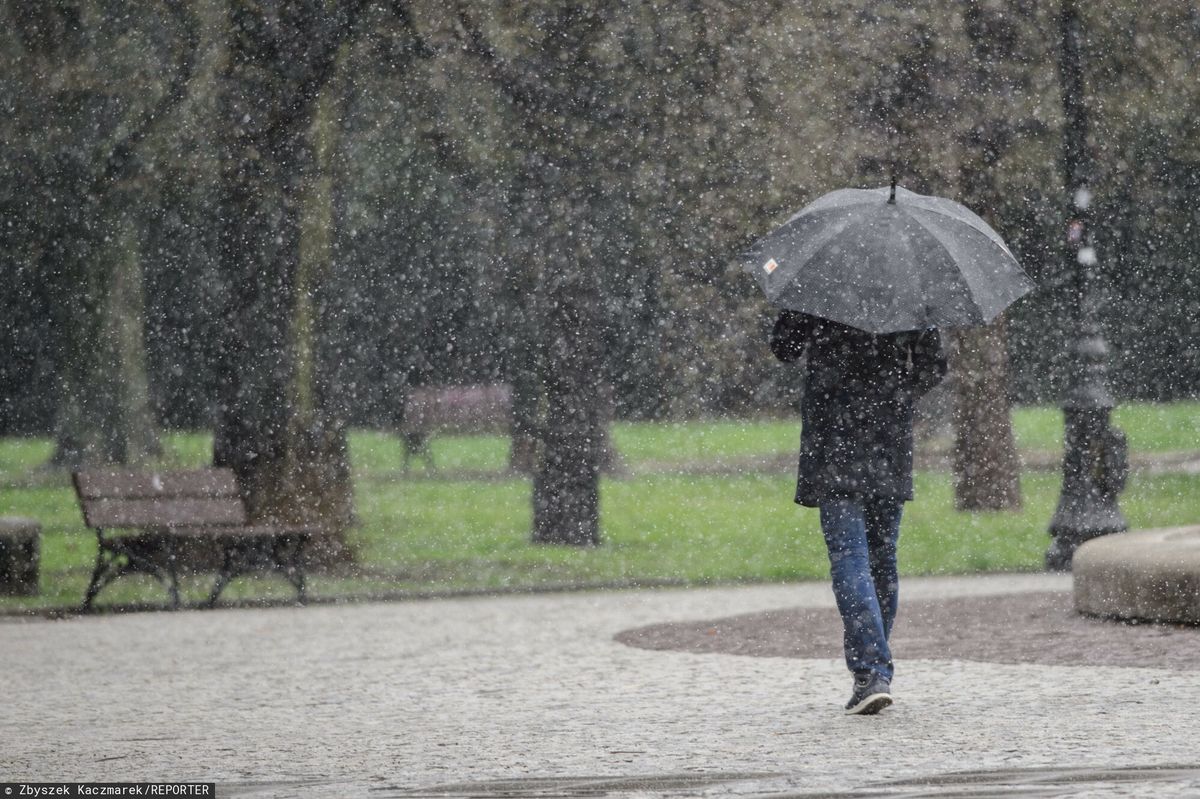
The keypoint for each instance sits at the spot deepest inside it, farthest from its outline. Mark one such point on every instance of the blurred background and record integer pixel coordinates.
(251, 234)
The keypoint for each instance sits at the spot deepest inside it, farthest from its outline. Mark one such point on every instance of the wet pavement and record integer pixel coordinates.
(533, 696)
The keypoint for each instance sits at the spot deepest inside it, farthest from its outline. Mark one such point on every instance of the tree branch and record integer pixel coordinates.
(120, 160)
(512, 82)
(499, 71)
(422, 47)
(321, 67)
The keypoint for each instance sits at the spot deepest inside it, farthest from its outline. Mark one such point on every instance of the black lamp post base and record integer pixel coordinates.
(1095, 466)
(1101, 521)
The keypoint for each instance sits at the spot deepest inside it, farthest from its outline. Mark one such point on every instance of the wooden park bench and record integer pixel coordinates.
(452, 409)
(479, 409)
(159, 513)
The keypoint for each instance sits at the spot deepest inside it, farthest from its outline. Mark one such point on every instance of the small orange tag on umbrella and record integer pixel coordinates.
(770, 266)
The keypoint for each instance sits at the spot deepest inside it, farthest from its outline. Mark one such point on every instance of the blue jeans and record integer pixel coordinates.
(861, 538)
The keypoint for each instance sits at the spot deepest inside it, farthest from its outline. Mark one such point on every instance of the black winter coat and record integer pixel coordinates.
(857, 412)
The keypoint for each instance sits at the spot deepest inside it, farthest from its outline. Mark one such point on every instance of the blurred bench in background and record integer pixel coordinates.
(478, 409)
(460, 410)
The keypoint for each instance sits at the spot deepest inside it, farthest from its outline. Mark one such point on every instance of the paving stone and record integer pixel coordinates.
(532, 696)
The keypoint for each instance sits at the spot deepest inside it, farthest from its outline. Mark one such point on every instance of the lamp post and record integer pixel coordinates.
(1095, 463)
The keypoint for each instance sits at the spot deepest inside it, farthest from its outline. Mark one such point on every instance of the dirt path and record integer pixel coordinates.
(1039, 628)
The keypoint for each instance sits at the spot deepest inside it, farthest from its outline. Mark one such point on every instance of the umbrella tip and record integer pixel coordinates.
(892, 197)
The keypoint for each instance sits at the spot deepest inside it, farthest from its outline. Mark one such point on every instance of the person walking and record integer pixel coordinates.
(856, 450)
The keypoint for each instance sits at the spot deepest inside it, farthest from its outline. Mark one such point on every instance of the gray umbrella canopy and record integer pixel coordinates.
(883, 266)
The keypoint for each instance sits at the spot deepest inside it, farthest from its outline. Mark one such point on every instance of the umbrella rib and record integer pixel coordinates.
(968, 221)
(958, 272)
(973, 290)
(852, 197)
(999, 244)
(819, 243)
(820, 212)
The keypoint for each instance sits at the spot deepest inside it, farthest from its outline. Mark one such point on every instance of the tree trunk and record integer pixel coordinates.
(104, 412)
(566, 487)
(523, 351)
(986, 468)
(259, 250)
(567, 253)
(132, 433)
(86, 140)
(77, 291)
(274, 426)
(526, 403)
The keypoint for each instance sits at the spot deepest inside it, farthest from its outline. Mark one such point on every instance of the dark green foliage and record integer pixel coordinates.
(702, 125)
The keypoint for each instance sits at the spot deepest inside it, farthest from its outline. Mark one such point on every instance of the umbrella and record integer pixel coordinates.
(888, 260)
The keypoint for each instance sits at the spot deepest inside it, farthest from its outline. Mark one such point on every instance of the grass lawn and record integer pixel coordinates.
(421, 532)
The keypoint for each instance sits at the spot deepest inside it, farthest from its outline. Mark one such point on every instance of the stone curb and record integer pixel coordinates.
(1149, 574)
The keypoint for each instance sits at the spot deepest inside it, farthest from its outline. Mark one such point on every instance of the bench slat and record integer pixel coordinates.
(163, 512)
(103, 483)
(244, 531)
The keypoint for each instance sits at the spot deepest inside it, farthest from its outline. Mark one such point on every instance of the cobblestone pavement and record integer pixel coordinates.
(531, 696)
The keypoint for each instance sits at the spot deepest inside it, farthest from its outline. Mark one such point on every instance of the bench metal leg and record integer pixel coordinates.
(172, 574)
(109, 567)
(289, 558)
(228, 571)
(283, 554)
(95, 585)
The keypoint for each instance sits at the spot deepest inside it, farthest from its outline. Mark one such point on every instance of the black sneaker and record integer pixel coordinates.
(872, 694)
